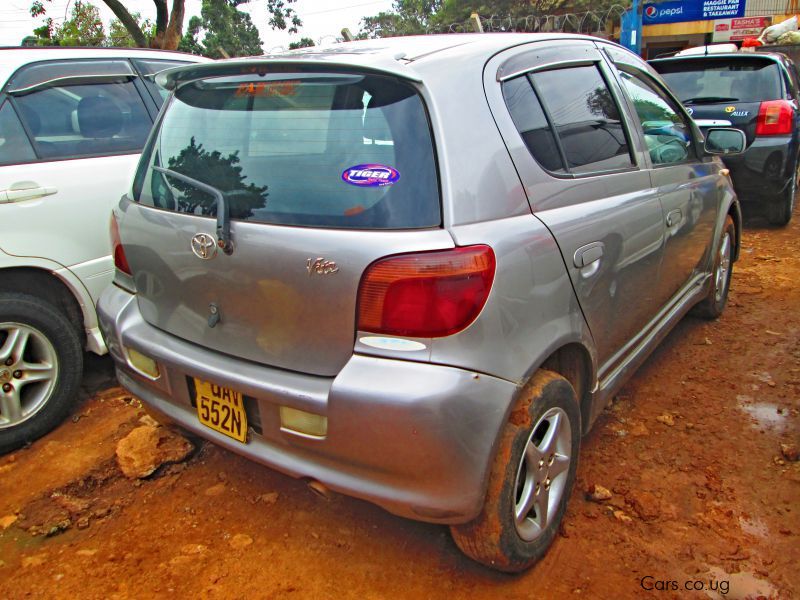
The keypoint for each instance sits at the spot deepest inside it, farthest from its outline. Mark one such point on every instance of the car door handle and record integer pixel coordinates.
(674, 217)
(588, 254)
(25, 190)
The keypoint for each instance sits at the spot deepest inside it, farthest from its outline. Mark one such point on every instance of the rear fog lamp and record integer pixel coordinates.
(306, 423)
(143, 364)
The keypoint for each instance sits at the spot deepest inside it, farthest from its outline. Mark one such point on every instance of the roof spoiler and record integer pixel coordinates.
(171, 79)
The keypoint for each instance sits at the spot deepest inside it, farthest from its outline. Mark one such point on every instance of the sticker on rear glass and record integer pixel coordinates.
(370, 175)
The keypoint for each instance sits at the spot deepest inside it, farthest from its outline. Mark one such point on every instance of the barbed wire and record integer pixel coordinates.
(589, 21)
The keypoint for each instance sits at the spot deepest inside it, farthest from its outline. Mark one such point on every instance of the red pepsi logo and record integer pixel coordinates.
(650, 11)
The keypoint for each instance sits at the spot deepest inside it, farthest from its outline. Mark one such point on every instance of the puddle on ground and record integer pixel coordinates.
(765, 415)
(740, 586)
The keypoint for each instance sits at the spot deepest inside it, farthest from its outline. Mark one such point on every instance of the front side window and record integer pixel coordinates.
(667, 135)
(14, 145)
(569, 120)
(325, 150)
(82, 109)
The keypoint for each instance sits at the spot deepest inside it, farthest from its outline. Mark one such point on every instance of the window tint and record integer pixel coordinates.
(729, 80)
(530, 120)
(585, 117)
(329, 150)
(14, 144)
(83, 120)
(667, 135)
(150, 68)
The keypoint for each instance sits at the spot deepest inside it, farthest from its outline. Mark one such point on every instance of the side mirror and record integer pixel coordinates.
(725, 141)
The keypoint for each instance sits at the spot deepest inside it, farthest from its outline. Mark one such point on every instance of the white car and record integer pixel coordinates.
(72, 125)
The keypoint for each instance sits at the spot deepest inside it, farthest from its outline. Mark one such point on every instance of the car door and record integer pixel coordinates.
(687, 186)
(84, 123)
(586, 179)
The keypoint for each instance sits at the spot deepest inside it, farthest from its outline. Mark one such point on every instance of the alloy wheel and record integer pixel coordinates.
(28, 372)
(542, 474)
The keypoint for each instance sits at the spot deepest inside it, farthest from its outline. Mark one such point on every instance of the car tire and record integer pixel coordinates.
(714, 303)
(779, 210)
(530, 480)
(41, 365)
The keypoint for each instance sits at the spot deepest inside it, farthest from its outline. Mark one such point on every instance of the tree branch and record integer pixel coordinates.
(128, 21)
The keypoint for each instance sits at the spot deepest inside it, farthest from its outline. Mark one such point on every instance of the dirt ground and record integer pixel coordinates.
(702, 498)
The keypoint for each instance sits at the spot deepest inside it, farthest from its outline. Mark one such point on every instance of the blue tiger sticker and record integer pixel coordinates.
(370, 175)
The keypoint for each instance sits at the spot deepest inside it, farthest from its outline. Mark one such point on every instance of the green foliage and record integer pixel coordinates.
(225, 29)
(166, 31)
(282, 17)
(120, 37)
(83, 28)
(303, 43)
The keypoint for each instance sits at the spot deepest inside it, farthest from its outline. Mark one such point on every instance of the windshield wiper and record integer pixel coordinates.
(709, 99)
(223, 210)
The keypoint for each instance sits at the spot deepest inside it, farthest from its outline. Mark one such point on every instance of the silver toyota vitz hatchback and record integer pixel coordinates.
(415, 270)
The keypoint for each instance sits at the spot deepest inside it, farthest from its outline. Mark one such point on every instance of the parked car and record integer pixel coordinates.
(72, 125)
(758, 93)
(412, 283)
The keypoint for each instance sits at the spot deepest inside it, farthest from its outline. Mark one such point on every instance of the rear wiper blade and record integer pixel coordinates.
(709, 99)
(223, 210)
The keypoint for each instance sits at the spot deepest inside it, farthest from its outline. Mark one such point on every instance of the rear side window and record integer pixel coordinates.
(722, 80)
(81, 108)
(14, 145)
(569, 120)
(323, 150)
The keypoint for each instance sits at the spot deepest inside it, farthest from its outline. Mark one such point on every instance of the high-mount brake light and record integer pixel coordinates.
(117, 250)
(775, 117)
(425, 294)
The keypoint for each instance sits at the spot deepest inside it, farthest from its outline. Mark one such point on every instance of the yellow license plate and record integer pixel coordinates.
(221, 409)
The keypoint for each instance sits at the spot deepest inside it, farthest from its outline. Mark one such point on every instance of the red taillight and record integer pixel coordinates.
(120, 261)
(775, 117)
(425, 294)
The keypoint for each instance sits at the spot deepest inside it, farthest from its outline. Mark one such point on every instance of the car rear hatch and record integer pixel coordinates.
(725, 90)
(322, 173)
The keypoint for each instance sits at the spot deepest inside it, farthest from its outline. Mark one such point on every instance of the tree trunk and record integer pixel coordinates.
(175, 27)
(169, 27)
(128, 21)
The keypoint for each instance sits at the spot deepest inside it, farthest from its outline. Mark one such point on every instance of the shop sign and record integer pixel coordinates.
(735, 30)
(691, 10)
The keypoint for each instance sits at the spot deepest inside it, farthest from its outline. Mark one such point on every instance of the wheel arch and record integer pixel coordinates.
(573, 362)
(46, 285)
(735, 211)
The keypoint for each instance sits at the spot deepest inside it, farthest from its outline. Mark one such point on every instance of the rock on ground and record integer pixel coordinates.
(146, 448)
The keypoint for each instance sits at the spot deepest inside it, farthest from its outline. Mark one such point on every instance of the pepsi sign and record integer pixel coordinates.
(691, 10)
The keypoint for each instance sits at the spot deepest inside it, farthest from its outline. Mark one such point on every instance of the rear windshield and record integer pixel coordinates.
(709, 80)
(322, 150)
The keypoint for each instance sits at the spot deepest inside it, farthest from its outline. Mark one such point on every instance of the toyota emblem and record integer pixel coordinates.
(204, 246)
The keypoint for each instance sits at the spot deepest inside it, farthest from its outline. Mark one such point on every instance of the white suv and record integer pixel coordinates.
(72, 125)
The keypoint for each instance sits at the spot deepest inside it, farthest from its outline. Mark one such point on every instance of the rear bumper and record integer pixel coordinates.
(414, 438)
(764, 169)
